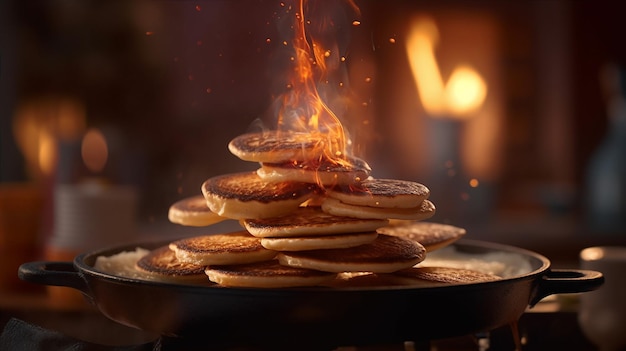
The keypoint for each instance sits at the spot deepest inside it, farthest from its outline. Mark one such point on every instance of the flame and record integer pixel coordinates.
(464, 92)
(302, 108)
(94, 150)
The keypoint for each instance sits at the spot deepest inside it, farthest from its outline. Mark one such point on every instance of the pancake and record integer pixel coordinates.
(386, 193)
(246, 195)
(335, 207)
(278, 146)
(268, 274)
(161, 264)
(230, 248)
(385, 254)
(326, 172)
(318, 242)
(309, 221)
(444, 275)
(193, 211)
(432, 236)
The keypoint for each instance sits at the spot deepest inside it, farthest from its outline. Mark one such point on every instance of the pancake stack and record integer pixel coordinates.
(310, 213)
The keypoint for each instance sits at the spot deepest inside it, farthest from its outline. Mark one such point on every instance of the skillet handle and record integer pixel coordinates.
(563, 281)
(53, 273)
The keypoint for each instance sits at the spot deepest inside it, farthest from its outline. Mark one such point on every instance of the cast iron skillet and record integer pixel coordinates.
(316, 317)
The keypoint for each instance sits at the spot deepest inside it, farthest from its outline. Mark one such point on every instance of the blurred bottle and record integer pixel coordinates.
(606, 173)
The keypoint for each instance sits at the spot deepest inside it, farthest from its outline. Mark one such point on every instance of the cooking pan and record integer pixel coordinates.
(318, 317)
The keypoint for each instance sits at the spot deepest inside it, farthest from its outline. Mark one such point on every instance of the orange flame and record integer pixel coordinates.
(303, 110)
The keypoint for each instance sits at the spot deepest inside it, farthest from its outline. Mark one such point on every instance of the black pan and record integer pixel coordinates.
(317, 317)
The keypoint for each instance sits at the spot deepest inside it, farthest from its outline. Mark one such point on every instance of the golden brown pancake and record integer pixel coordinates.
(230, 248)
(335, 207)
(193, 211)
(269, 274)
(246, 195)
(278, 146)
(322, 171)
(385, 254)
(431, 235)
(386, 193)
(161, 264)
(304, 243)
(310, 221)
(445, 275)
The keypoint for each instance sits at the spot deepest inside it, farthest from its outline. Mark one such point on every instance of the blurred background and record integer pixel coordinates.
(510, 111)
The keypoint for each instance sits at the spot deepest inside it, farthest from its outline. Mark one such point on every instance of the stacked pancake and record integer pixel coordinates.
(309, 213)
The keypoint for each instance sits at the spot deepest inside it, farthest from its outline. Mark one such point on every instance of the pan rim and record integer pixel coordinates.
(81, 265)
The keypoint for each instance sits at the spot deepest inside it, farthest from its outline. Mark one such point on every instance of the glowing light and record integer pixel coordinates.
(592, 254)
(94, 150)
(392, 40)
(466, 90)
(198, 8)
(39, 124)
(462, 94)
(474, 183)
(47, 153)
(149, 33)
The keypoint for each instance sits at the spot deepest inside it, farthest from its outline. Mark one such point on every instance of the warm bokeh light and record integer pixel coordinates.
(463, 93)
(422, 38)
(40, 123)
(94, 150)
(47, 154)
